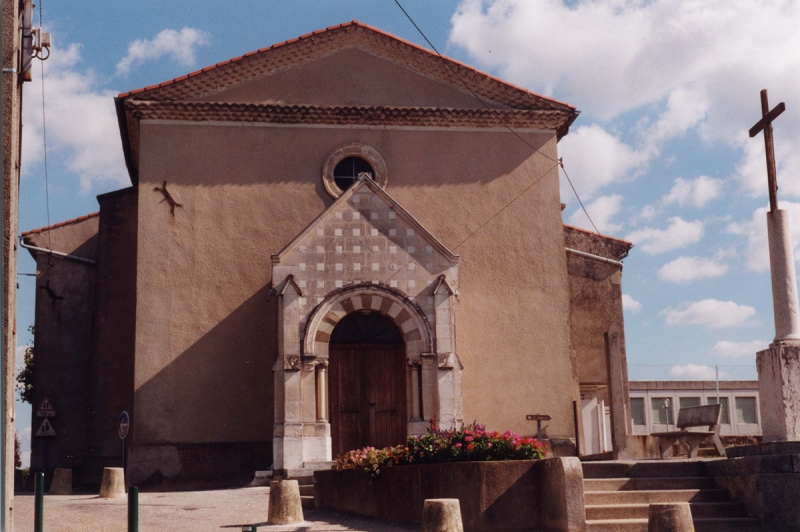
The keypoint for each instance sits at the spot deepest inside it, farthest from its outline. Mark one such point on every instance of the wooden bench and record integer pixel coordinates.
(695, 416)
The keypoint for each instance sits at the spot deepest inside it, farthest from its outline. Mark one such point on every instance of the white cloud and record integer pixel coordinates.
(179, 45)
(695, 372)
(755, 231)
(696, 192)
(738, 349)
(710, 313)
(628, 303)
(685, 269)
(679, 233)
(602, 210)
(595, 158)
(82, 124)
(20, 355)
(691, 64)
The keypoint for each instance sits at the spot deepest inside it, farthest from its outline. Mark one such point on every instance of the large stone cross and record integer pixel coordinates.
(765, 124)
(779, 365)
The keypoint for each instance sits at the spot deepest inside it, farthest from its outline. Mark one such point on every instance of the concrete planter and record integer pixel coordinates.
(511, 495)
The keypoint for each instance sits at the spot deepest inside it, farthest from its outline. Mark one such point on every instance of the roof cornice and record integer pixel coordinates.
(551, 120)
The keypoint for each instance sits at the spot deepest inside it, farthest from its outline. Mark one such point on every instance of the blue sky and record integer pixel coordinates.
(659, 155)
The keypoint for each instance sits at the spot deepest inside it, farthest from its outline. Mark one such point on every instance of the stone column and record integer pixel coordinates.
(415, 411)
(784, 282)
(429, 386)
(779, 365)
(322, 391)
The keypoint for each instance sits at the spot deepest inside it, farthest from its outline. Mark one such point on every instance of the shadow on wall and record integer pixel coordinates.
(206, 418)
(189, 155)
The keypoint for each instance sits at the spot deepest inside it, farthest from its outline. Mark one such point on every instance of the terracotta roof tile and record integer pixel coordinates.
(60, 224)
(580, 229)
(349, 115)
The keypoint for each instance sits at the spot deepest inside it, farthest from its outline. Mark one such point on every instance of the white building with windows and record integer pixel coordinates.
(655, 404)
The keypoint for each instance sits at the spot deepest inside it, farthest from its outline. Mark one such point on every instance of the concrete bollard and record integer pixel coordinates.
(113, 484)
(441, 515)
(670, 517)
(285, 507)
(61, 483)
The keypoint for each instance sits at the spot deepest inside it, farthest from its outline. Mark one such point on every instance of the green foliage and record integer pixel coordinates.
(470, 443)
(25, 375)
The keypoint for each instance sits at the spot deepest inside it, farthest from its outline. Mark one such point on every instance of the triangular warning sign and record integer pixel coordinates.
(46, 429)
(46, 406)
(46, 409)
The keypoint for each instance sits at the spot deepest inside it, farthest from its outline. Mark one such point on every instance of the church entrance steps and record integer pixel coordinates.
(618, 496)
(651, 496)
(651, 484)
(641, 511)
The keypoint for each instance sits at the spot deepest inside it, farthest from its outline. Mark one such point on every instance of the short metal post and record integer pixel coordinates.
(38, 520)
(539, 429)
(133, 509)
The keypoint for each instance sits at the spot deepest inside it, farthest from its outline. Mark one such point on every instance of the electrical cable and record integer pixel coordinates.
(44, 141)
(535, 150)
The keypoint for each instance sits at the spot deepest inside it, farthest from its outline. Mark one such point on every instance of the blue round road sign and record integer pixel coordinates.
(124, 425)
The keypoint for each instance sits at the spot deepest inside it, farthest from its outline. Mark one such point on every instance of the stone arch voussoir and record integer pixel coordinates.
(366, 296)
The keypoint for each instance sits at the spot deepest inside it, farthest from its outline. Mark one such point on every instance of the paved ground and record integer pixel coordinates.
(179, 511)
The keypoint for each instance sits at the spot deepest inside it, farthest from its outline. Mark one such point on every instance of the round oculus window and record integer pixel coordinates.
(345, 166)
(349, 169)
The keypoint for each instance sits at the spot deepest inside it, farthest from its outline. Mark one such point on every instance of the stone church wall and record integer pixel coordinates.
(206, 333)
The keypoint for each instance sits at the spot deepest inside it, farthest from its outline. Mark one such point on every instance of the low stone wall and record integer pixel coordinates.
(766, 478)
(510, 495)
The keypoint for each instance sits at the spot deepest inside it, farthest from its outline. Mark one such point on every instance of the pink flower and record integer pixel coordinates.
(468, 438)
(458, 446)
(490, 444)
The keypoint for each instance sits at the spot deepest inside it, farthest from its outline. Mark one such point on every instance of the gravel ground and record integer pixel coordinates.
(178, 511)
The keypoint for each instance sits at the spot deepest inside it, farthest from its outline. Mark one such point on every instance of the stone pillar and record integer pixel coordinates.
(784, 282)
(430, 400)
(617, 399)
(322, 391)
(779, 391)
(415, 411)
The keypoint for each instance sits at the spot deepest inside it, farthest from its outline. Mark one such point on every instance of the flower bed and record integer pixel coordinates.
(472, 443)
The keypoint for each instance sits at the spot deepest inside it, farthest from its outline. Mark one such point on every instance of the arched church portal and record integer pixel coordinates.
(367, 390)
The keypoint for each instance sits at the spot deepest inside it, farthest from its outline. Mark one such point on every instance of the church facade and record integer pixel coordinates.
(327, 244)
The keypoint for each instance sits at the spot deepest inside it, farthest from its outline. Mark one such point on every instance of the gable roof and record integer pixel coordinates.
(344, 198)
(320, 43)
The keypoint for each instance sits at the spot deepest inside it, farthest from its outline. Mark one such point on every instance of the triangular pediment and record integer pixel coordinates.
(377, 211)
(365, 236)
(345, 45)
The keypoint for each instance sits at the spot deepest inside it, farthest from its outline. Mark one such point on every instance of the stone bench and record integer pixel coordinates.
(695, 416)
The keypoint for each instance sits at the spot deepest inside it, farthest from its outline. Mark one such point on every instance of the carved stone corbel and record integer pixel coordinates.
(293, 362)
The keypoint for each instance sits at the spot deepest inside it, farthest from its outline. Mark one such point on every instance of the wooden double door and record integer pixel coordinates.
(367, 385)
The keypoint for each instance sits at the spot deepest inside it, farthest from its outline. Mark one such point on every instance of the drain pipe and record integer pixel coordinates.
(56, 253)
(594, 257)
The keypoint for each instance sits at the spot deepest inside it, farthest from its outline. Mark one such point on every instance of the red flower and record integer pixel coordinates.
(470, 447)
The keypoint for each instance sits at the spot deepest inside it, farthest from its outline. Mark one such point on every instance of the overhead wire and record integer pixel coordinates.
(558, 161)
(44, 141)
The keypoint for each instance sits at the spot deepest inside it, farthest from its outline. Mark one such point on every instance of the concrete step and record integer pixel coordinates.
(641, 511)
(646, 468)
(616, 525)
(307, 501)
(671, 483)
(307, 489)
(650, 496)
(742, 524)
